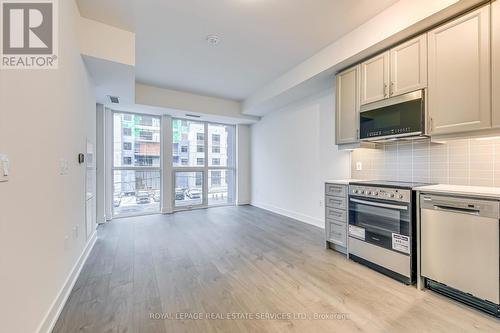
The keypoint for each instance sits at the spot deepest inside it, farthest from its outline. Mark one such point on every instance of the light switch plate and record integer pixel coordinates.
(359, 166)
(4, 168)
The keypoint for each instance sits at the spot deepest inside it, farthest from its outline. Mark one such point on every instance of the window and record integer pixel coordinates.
(220, 187)
(184, 138)
(199, 179)
(215, 177)
(204, 173)
(145, 121)
(136, 164)
(146, 135)
(188, 188)
(221, 147)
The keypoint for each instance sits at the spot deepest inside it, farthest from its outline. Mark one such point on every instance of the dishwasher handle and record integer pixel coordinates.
(449, 209)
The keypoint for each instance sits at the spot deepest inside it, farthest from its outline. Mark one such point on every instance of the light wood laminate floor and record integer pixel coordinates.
(246, 262)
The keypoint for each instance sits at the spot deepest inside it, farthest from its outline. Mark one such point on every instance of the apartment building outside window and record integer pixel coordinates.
(136, 164)
(204, 172)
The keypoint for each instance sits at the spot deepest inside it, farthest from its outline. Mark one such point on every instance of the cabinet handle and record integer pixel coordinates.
(357, 134)
(385, 89)
(431, 124)
(391, 89)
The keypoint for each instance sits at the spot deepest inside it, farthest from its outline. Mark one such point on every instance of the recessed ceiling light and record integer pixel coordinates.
(213, 40)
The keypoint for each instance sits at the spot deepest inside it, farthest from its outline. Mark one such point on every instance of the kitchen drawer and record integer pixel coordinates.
(337, 233)
(336, 202)
(336, 190)
(336, 214)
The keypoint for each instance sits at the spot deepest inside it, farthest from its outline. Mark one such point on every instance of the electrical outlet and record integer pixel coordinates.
(4, 168)
(359, 166)
(321, 203)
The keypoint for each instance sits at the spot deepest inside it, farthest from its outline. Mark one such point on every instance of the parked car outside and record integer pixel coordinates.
(156, 196)
(193, 193)
(179, 194)
(117, 200)
(142, 197)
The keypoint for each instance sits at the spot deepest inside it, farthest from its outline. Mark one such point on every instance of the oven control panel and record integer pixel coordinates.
(383, 193)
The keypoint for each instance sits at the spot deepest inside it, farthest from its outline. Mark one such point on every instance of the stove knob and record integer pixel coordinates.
(362, 192)
(401, 196)
(369, 193)
(392, 195)
(354, 191)
(375, 193)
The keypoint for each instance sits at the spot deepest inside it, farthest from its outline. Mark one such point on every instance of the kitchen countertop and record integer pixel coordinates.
(342, 181)
(475, 191)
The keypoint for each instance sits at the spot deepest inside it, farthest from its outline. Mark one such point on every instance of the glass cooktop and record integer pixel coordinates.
(389, 183)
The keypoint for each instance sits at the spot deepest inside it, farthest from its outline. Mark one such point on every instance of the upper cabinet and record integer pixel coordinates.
(347, 105)
(495, 52)
(398, 71)
(375, 78)
(408, 66)
(459, 88)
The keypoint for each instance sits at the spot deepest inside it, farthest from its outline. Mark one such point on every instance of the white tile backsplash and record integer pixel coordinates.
(463, 162)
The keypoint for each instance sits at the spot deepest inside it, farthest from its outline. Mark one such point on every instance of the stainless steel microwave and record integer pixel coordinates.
(397, 117)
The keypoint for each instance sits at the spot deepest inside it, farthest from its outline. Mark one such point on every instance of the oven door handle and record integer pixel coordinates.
(378, 204)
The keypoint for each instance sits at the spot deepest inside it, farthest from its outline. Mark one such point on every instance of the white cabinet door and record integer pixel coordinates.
(495, 51)
(347, 106)
(409, 66)
(459, 86)
(375, 79)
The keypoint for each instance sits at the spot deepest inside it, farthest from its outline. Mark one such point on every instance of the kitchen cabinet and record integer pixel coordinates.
(375, 79)
(495, 52)
(398, 71)
(459, 89)
(336, 196)
(347, 106)
(408, 66)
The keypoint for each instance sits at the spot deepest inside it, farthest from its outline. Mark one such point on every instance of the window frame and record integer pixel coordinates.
(132, 167)
(205, 169)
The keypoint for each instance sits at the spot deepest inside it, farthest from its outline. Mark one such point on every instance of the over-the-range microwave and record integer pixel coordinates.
(393, 118)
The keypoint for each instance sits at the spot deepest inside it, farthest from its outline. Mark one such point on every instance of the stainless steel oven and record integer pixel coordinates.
(396, 117)
(381, 229)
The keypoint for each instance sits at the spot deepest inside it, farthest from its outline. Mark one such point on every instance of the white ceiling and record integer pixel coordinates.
(260, 39)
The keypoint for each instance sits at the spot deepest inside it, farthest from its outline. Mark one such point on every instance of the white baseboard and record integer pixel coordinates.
(50, 319)
(288, 213)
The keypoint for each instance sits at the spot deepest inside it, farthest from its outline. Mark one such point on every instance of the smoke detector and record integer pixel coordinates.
(213, 40)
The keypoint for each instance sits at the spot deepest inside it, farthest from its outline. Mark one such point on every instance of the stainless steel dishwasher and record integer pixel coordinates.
(460, 249)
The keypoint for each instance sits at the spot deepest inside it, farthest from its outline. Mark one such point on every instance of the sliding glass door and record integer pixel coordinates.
(203, 164)
(136, 164)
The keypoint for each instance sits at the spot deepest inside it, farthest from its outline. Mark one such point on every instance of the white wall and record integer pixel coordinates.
(293, 153)
(243, 167)
(45, 115)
